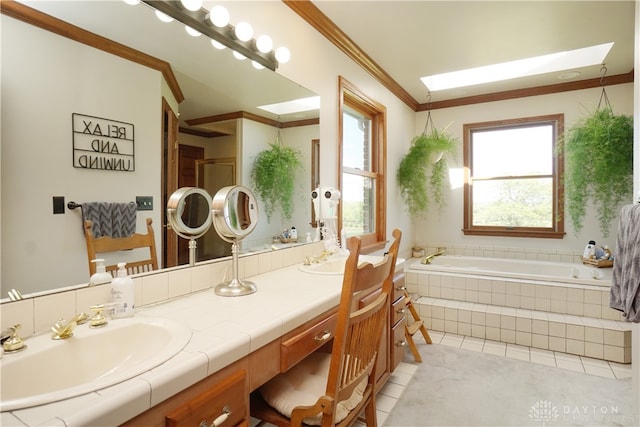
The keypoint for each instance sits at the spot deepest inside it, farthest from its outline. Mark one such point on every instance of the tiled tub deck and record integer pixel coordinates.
(564, 317)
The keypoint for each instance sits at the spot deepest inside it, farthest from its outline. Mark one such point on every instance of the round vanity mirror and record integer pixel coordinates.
(189, 215)
(235, 215)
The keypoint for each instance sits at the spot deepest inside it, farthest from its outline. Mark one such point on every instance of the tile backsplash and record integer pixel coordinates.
(37, 314)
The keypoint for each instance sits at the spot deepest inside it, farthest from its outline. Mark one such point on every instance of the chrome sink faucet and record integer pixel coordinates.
(427, 259)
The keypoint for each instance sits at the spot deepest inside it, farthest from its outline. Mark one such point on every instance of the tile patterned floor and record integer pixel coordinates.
(582, 364)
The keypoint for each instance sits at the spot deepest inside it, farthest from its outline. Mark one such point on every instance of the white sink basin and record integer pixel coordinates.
(48, 370)
(335, 265)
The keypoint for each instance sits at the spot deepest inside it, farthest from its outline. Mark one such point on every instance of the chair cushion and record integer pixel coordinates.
(303, 384)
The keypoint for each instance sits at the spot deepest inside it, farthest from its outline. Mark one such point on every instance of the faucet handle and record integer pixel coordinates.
(98, 320)
(63, 330)
(14, 342)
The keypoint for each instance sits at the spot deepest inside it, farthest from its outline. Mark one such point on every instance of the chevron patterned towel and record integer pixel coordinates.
(111, 219)
(625, 283)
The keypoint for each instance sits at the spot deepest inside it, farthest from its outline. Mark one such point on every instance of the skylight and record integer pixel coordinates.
(553, 62)
(295, 106)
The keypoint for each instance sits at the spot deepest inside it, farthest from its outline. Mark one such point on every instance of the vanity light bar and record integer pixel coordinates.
(198, 21)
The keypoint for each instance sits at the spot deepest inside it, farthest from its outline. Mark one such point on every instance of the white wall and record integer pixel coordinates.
(42, 86)
(256, 137)
(445, 228)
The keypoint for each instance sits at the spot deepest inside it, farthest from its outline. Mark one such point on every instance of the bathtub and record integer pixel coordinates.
(545, 271)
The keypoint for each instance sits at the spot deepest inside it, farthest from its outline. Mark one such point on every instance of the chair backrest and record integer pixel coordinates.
(359, 329)
(99, 245)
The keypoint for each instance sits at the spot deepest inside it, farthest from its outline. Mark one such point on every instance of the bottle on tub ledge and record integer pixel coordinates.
(589, 250)
(122, 293)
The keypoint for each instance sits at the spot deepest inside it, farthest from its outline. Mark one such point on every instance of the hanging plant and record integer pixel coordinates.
(599, 166)
(274, 176)
(423, 170)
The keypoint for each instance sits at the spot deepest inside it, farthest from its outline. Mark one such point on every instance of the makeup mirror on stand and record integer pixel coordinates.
(235, 215)
(189, 216)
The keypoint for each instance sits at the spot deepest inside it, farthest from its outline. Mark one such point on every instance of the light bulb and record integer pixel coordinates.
(191, 5)
(283, 55)
(219, 16)
(244, 32)
(257, 65)
(239, 56)
(264, 43)
(217, 44)
(163, 16)
(192, 32)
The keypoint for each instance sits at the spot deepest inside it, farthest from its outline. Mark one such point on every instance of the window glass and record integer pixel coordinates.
(358, 198)
(357, 141)
(362, 166)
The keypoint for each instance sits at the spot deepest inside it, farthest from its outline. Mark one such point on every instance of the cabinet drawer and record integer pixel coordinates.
(227, 396)
(304, 341)
(398, 285)
(397, 344)
(398, 310)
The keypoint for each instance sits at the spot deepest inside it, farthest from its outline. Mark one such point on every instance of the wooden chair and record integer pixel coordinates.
(324, 389)
(105, 244)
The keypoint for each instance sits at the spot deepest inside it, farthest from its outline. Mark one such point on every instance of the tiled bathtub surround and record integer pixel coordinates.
(582, 336)
(532, 254)
(37, 315)
(561, 298)
(570, 318)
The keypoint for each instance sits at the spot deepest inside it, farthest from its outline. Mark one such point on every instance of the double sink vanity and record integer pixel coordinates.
(188, 359)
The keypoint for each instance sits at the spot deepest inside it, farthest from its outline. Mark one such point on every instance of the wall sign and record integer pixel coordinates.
(102, 144)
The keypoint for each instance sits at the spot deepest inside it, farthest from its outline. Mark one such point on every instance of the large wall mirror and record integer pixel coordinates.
(220, 131)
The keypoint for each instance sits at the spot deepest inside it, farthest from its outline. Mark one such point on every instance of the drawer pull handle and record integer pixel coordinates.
(401, 343)
(401, 311)
(325, 336)
(226, 411)
(401, 288)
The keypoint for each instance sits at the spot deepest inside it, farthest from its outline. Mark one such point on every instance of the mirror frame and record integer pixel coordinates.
(175, 208)
(224, 205)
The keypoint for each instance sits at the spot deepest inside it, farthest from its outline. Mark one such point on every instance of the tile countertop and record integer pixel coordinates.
(225, 329)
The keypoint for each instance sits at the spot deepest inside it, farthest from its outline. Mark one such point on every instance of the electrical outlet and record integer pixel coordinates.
(58, 205)
(145, 203)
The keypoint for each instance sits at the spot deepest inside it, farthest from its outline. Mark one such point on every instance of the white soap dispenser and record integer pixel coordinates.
(100, 276)
(122, 293)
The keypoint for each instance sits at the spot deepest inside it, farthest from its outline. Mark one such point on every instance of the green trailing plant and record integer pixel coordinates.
(274, 176)
(599, 166)
(422, 171)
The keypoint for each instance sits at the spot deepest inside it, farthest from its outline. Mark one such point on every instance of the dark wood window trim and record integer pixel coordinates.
(350, 95)
(554, 232)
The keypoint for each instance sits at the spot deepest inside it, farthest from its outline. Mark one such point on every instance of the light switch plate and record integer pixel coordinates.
(58, 205)
(145, 203)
